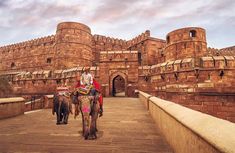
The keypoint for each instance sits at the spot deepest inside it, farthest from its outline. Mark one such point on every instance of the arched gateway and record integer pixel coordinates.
(118, 84)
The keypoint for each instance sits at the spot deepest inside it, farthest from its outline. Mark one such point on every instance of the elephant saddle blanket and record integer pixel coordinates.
(85, 90)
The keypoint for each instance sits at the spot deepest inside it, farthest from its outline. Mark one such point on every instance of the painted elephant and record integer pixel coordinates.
(89, 108)
(62, 108)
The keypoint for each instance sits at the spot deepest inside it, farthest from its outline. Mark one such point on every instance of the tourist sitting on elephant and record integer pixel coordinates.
(87, 79)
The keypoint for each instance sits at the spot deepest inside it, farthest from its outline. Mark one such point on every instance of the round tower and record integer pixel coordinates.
(186, 43)
(72, 45)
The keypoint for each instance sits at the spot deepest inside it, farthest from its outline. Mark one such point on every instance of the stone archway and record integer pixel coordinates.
(118, 84)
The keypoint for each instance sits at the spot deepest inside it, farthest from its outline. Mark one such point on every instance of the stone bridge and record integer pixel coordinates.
(144, 124)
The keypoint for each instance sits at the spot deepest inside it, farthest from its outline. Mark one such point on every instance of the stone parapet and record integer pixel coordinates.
(30, 43)
(187, 130)
(10, 107)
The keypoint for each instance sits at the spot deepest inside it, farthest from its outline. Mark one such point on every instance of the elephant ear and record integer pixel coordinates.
(91, 98)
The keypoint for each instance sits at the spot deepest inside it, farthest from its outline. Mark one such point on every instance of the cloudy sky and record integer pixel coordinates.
(27, 19)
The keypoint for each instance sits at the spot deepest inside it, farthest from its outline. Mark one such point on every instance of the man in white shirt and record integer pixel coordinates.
(86, 78)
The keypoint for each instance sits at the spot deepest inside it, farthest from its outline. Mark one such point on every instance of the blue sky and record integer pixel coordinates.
(28, 19)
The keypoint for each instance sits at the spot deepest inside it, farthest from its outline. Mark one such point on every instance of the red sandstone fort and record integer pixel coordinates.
(181, 68)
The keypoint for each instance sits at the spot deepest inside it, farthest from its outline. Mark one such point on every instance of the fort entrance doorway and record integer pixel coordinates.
(118, 85)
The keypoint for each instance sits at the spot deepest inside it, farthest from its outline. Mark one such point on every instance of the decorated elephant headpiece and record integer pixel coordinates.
(63, 91)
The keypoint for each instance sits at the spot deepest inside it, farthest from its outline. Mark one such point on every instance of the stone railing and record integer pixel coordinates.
(10, 107)
(34, 104)
(191, 131)
(44, 102)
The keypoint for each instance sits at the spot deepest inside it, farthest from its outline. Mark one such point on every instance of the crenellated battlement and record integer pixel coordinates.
(70, 73)
(121, 56)
(227, 51)
(105, 39)
(138, 39)
(33, 42)
(212, 51)
(207, 62)
(119, 52)
(100, 43)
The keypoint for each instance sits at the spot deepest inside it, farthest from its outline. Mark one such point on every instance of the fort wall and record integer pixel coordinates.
(101, 43)
(193, 78)
(209, 88)
(147, 47)
(27, 56)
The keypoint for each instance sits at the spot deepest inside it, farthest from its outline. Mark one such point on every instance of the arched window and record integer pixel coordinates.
(139, 58)
(13, 65)
(192, 33)
(49, 60)
(168, 39)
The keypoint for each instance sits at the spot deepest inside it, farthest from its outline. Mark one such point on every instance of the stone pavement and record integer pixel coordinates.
(126, 127)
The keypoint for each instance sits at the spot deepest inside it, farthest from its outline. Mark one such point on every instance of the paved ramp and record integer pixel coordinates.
(126, 127)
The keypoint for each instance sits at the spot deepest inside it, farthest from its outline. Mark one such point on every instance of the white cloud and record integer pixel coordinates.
(27, 19)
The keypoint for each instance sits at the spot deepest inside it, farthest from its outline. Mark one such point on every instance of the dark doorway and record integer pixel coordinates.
(118, 88)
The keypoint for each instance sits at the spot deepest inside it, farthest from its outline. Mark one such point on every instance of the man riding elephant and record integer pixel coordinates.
(87, 79)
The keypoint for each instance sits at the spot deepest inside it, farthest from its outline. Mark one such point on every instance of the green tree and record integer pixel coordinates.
(5, 87)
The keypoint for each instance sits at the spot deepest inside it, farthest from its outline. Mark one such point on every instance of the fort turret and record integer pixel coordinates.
(72, 45)
(187, 42)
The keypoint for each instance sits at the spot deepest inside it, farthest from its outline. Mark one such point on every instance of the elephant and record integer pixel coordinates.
(62, 108)
(89, 108)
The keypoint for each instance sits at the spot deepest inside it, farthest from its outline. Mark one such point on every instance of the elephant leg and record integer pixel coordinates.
(93, 122)
(83, 125)
(66, 116)
(67, 111)
(76, 110)
(61, 117)
(57, 117)
(86, 126)
(92, 129)
(59, 114)
(96, 126)
(86, 132)
(72, 108)
(96, 116)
